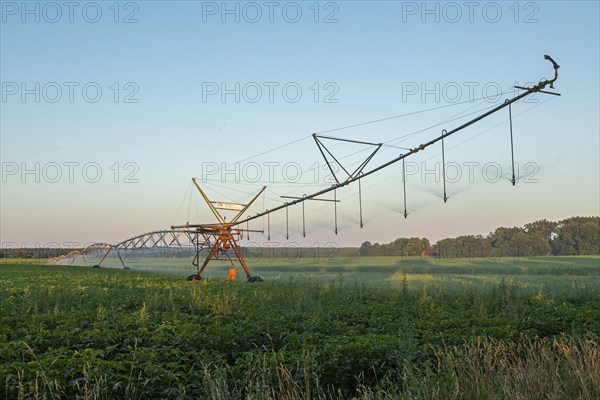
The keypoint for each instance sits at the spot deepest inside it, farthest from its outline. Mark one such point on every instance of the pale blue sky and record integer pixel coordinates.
(364, 66)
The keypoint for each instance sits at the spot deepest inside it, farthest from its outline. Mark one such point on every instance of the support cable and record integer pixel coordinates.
(356, 125)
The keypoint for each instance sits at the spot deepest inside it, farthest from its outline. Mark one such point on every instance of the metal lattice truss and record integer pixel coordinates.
(163, 239)
(72, 255)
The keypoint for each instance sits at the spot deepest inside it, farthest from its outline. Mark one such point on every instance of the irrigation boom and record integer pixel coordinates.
(220, 238)
(358, 175)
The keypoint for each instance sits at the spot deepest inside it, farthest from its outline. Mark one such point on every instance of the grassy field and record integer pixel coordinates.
(546, 273)
(363, 328)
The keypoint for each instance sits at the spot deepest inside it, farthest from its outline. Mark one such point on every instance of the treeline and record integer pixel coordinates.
(289, 250)
(33, 252)
(399, 247)
(572, 236)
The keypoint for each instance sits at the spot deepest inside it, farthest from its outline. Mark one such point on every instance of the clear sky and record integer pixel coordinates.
(108, 110)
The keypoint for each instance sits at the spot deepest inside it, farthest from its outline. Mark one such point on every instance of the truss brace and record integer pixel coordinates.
(350, 175)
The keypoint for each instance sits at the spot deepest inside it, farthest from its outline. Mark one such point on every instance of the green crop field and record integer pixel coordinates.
(547, 273)
(365, 328)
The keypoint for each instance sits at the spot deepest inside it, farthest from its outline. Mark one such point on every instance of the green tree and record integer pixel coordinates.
(578, 236)
(366, 249)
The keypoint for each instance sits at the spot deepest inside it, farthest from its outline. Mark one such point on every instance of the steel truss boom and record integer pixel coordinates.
(150, 240)
(353, 178)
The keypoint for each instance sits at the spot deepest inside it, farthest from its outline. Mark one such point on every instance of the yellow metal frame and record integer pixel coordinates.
(225, 232)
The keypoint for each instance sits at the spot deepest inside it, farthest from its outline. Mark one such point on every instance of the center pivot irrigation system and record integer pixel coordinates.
(220, 237)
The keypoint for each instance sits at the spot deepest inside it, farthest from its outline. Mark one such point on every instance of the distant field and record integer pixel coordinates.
(360, 328)
(533, 272)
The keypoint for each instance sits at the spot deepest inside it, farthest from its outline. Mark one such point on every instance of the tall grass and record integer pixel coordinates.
(542, 368)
